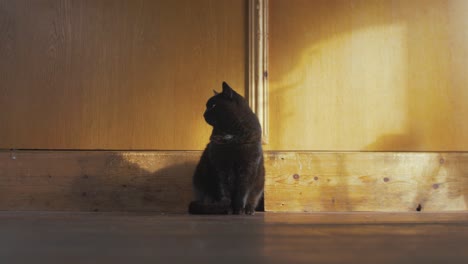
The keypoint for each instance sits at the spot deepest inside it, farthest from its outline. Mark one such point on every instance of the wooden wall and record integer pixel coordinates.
(97, 74)
(366, 181)
(160, 181)
(385, 75)
(369, 75)
(344, 75)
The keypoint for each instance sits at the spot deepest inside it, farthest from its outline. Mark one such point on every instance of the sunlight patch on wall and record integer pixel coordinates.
(346, 90)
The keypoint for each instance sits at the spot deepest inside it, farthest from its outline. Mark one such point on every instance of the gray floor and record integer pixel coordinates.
(64, 237)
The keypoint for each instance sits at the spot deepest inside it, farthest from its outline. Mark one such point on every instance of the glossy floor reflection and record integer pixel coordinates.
(65, 237)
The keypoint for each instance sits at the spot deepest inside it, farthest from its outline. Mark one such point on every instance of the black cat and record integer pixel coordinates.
(230, 175)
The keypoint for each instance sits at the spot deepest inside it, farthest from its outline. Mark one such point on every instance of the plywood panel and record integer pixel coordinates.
(295, 182)
(115, 74)
(368, 75)
(366, 181)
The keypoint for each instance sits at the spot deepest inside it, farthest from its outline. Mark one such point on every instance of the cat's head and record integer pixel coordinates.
(224, 109)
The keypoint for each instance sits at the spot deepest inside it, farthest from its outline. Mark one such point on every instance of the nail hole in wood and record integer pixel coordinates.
(419, 208)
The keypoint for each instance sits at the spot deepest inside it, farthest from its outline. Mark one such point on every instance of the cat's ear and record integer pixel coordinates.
(215, 92)
(227, 91)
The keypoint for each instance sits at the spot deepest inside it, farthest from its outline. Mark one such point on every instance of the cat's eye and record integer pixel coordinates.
(210, 106)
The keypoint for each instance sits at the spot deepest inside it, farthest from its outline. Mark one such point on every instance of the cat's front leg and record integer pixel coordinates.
(223, 187)
(243, 186)
(256, 192)
(238, 205)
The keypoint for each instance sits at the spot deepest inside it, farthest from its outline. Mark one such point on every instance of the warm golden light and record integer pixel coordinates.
(368, 75)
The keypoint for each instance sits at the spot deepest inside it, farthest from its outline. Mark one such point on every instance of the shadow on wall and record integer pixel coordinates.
(361, 75)
(373, 76)
(136, 181)
(133, 183)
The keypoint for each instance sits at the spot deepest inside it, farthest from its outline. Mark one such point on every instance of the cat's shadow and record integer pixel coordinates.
(118, 183)
(115, 183)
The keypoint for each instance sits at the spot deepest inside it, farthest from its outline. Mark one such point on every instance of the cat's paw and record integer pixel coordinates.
(238, 211)
(249, 210)
(194, 207)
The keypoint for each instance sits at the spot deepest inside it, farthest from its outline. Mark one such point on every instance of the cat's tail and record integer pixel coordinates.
(197, 207)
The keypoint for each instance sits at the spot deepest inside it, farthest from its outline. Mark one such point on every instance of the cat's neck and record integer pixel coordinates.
(241, 137)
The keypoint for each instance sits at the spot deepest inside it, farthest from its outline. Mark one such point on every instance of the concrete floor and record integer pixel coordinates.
(70, 237)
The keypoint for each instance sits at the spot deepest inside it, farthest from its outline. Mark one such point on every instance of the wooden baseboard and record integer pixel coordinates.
(96, 180)
(160, 181)
(366, 181)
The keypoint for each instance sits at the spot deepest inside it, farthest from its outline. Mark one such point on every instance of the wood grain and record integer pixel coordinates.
(295, 181)
(264, 238)
(96, 181)
(366, 181)
(368, 75)
(122, 74)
